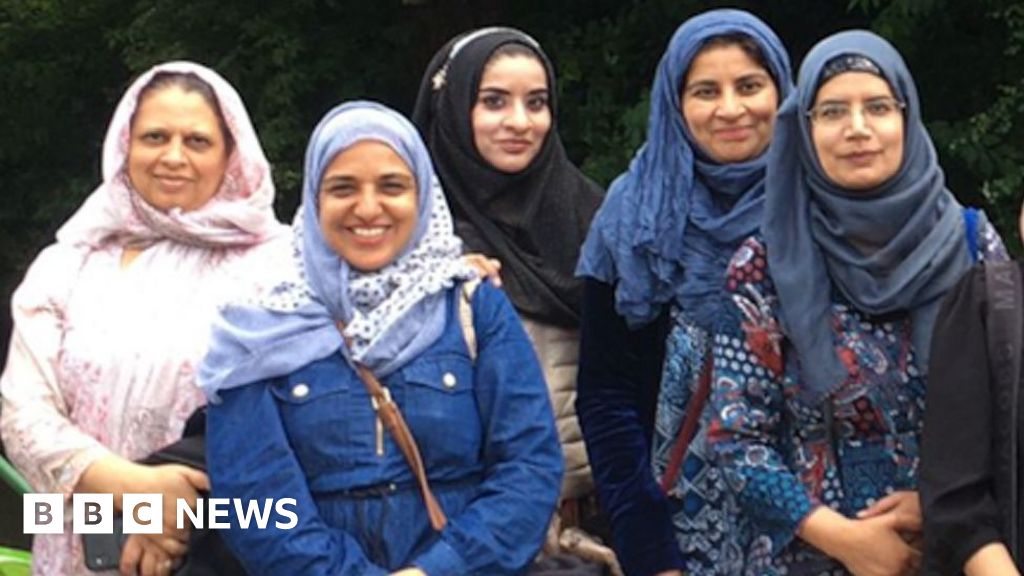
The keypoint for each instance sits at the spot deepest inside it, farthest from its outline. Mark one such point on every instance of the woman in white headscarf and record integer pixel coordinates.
(112, 320)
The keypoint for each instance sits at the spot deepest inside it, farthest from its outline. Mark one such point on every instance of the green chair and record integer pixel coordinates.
(15, 562)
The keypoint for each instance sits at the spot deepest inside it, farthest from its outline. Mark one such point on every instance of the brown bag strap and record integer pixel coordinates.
(689, 427)
(389, 414)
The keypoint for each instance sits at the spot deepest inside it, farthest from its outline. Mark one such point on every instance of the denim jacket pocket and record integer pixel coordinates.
(441, 408)
(450, 373)
(314, 413)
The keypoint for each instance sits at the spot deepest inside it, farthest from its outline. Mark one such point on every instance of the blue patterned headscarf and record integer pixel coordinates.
(909, 232)
(671, 222)
(390, 315)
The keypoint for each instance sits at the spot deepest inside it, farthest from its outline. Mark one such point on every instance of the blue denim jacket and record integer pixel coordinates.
(485, 430)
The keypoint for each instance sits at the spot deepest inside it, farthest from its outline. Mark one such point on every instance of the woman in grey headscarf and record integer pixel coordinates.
(821, 363)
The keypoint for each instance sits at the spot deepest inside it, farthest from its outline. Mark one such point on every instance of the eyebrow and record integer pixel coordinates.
(207, 134)
(337, 179)
(162, 129)
(755, 76)
(502, 91)
(743, 78)
(848, 101)
(700, 84)
(397, 176)
(345, 178)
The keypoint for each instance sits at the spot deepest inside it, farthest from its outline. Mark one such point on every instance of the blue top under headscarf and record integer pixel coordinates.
(909, 232)
(671, 222)
(390, 315)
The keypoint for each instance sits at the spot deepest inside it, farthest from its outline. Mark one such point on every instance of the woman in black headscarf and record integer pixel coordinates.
(487, 110)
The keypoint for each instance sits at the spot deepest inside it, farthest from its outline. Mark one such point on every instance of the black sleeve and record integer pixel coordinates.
(619, 371)
(956, 488)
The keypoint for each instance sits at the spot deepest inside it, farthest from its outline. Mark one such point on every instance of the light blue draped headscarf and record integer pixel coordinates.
(390, 315)
(671, 222)
(909, 232)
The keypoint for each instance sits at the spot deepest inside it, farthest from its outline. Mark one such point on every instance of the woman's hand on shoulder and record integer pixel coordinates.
(488, 268)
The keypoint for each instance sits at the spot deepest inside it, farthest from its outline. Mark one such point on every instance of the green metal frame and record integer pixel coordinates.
(13, 478)
(15, 562)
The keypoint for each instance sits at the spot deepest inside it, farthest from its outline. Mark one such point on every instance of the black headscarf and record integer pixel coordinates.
(533, 221)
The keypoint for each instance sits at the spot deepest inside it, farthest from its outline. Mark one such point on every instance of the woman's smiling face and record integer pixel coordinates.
(368, 204)
(177, 153)
(511, 117)
(857, 127)
(729, 102)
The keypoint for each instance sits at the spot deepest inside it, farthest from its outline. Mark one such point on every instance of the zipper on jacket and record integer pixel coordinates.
(380, 423)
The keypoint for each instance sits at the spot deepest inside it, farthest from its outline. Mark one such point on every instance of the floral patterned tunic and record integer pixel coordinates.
(783, 457)
(713, 536)
(88, 374)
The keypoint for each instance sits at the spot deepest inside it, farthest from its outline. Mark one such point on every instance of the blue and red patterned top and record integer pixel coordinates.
(782, 457)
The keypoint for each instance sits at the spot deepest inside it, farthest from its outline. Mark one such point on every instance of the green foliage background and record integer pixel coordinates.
(66, 62)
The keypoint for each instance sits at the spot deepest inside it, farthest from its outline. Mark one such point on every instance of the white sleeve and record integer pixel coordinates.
(38, 436)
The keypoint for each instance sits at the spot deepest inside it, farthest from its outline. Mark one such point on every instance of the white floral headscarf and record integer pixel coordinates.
(239, 214)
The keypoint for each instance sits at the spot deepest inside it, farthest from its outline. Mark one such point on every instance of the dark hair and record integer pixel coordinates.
(513, 49)
(844, 63)
(189, 82)
(746, 43)
(519, 50)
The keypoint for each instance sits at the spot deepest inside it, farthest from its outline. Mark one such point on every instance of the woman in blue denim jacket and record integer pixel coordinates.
(378, 266)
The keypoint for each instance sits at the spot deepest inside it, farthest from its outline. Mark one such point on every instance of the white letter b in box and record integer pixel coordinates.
(42, 513)
(93, 513)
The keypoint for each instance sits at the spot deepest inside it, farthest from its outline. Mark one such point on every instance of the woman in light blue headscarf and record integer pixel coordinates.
(376, 288)
(659, 246)
(821, 359)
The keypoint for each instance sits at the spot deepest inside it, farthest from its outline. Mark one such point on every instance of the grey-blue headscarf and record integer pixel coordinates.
(391, 315)
(910, 229)
(671, 222)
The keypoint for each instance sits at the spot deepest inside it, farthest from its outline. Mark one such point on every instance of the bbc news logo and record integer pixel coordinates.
(143, 513)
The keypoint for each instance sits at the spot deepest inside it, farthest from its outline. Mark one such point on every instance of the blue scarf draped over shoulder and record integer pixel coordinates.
(391, 315)
(671, 222)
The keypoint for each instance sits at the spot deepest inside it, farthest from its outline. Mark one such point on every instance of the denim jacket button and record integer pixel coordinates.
(448, 380)
(300, 390)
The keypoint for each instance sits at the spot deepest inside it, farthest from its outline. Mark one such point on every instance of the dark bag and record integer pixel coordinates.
(566, 565)
(1005, 341)
(207, 554)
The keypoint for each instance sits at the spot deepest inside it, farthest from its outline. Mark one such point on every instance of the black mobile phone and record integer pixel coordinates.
(103, 551)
